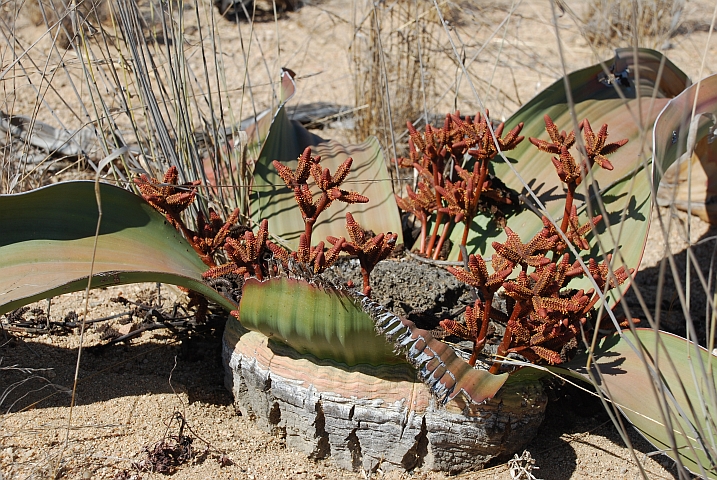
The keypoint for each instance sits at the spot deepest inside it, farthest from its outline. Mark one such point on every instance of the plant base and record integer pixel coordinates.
(368, 417)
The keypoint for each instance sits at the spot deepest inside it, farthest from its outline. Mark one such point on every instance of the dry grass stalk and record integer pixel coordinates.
(394, 67)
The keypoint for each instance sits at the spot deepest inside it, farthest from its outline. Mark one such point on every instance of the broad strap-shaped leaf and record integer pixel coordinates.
(685, 371)
(685, 149)
(626, 187)
(258, 131)
(346, 327)
(322, 322)
(441, 369)
(47, 238)
(369, 175)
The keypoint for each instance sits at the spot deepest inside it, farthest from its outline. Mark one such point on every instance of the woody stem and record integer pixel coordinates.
(309, 228)
(464, 239)
(257, 272)
(481, 178)
(424, 232)
(310, 221)
(365, 274)
(483, 173)
(437, 180)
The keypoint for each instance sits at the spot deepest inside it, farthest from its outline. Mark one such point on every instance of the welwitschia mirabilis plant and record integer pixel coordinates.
(46, 250)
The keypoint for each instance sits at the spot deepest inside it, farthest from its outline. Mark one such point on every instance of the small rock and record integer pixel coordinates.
(9, 453)
(127, 328)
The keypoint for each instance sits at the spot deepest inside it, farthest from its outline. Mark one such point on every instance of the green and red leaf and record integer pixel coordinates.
(665, 386)
(686, 151)
(341, 326)
(47, 242)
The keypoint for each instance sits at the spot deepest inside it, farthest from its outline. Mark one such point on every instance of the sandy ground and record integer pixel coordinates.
(128, 395)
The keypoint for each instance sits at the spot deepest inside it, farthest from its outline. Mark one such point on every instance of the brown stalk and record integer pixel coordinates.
(480, 339)
(568, 207)
(479, 190)
(505, 342)
(444, 235)
(439, 215)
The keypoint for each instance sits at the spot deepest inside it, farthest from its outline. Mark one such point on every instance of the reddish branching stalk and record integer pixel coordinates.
(210, 235)
(477, 276)
(309, 165)
(569, 170)
(429, 152)
(245, 254)
(480, 145)
(456, 199)
(171, 199)
(244, 249)
(546, 318)
(369, 249)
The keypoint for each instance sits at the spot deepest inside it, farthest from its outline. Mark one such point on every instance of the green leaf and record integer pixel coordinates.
(273, 201)
(688, 374)
(312, 320)
(341, 326)
(48, 236)
(686, 151)
(258, 132)
(626, 188)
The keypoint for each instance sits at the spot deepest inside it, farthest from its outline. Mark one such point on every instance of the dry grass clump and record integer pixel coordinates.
(620, 23)
(394, 66)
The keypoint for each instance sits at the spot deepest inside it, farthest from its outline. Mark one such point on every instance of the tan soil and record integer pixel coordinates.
(127, 395)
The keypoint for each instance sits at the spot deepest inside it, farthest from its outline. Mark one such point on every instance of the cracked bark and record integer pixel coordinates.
(361, 421)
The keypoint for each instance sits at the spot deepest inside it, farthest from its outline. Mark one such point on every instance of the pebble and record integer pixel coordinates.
(10, 453)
